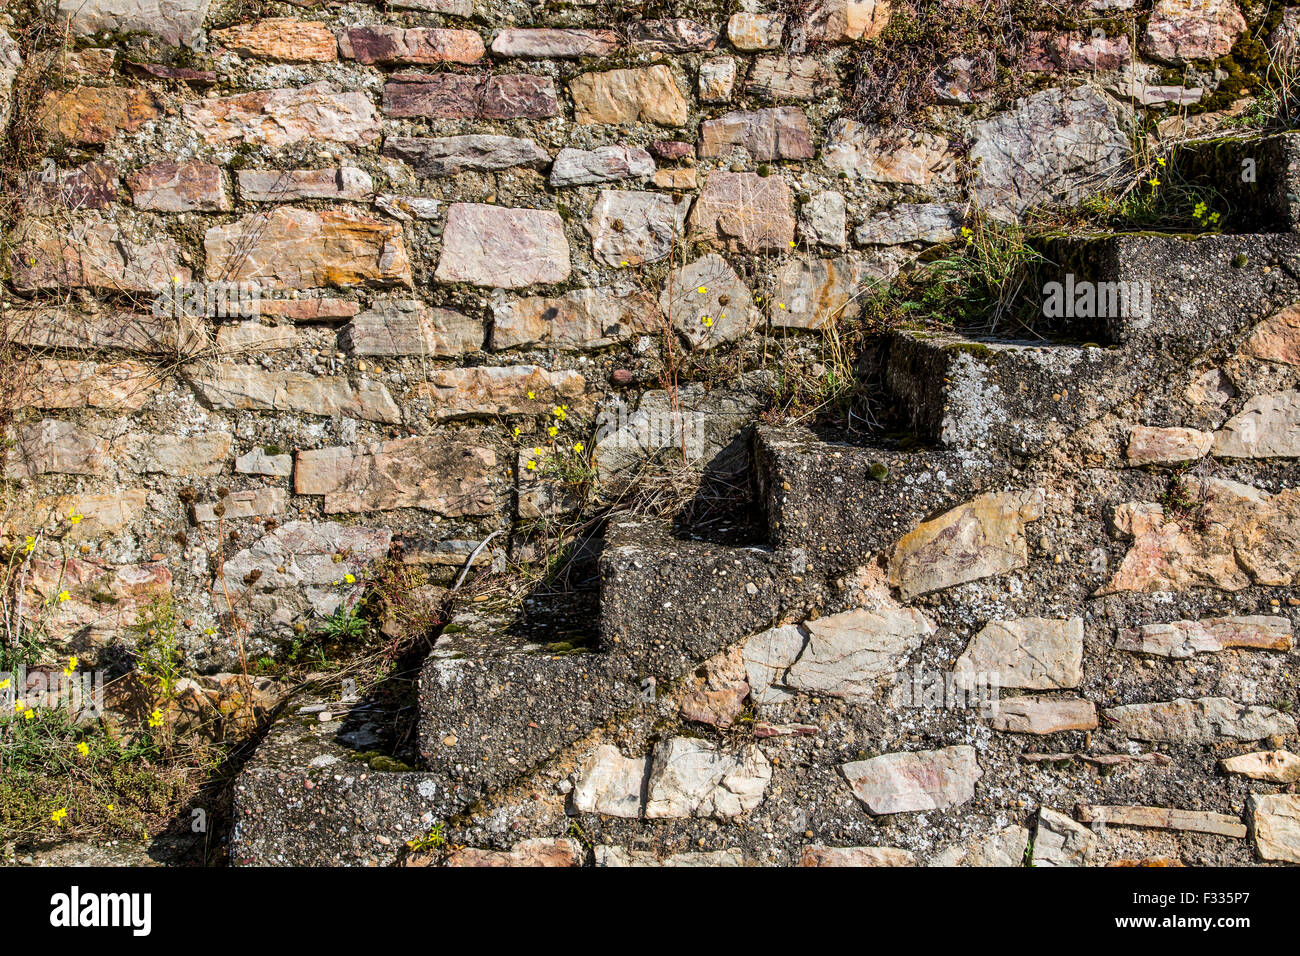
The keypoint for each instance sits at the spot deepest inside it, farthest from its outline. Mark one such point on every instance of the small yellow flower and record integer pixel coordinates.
(58, 815)
(531, 396)
(350, 578)
(29, 714)
(532, 466)
(537, 451)
(1160, 160)
(625, 263)
(4, 683)
(701, 290)
(553, 431)
(29, 544)
(64, 596)
(792, 243)
(967, 232)
(578, 447)
(708, 322)
(780, 305)
(72, 664)
(83, 748)
(75, 516)
(516, 431)
(111, 808)
(156, 718)
(1154, 182)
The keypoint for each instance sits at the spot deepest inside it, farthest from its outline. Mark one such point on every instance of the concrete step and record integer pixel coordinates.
(841, 503)
(1256, 179)
(314, 793)
(997, 398)
(499, 695)
(668, 602)
(1189, 295)
(503, 690)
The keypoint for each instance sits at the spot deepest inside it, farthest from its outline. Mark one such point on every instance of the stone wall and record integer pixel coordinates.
(296, 287)
(439, 224)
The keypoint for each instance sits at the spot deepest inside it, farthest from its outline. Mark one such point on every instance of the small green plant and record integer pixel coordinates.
(345, 624)
(431, 842)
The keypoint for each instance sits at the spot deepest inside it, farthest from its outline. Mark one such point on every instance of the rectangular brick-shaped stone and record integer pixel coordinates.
(65, 383)
(285, 39)
(91, 253)
(89, 115)
(179, 187)
(465, 96)
(776, 133)
(70, 328)
(179, 455)
(294, 248)
(284, 117)
(52, 447)
(252, 387)
(582, 319)
(1163, 818)
(286, 185)
(500, 390)
(554, 44)
(449, 478)
(409, 327)
(1182, 639)
(496, 246)
(390, 44)
(253, 503)
(645, 94)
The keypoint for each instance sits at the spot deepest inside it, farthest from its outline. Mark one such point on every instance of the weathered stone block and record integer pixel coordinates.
(294, 248)
(449, 478)
(495, 246)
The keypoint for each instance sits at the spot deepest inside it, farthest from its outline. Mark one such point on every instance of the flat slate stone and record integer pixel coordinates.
(921, 780)
(495, 246)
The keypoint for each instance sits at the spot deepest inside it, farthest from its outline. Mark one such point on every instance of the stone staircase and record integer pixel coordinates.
(523, 726)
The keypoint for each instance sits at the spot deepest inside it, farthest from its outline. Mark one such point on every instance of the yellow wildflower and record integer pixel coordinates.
(156, 718)
(350, 578)
(1154, 182)
(83, 748)
(708, 322)
(532, 466)
(577, 447)
(553, 431)
(64, 596)
(531, 396)
(58, 815)
(75, 516)
(29, 544)
(29, 714)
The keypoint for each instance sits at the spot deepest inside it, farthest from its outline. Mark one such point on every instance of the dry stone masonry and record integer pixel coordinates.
(337, 284)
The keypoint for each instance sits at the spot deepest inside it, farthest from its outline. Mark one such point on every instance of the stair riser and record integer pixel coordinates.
(999, 400)
(823, 499)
